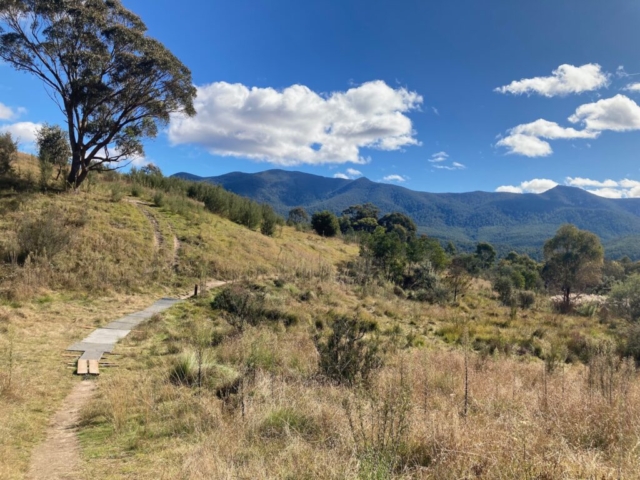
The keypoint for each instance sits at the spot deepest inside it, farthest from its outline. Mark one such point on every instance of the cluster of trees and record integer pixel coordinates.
(216, 199)
(53, 153)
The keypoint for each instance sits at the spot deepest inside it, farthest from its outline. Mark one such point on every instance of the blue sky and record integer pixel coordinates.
(399, 90)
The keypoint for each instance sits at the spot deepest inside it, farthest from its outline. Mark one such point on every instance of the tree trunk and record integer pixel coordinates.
(77, 173)
(567, 299)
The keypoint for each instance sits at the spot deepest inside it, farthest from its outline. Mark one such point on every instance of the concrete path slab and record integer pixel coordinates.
(106, 335)
(103, 340)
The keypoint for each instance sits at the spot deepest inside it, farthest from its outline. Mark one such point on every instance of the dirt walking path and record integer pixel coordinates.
(58, 457)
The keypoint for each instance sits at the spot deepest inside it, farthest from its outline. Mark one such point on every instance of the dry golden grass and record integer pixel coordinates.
(33, 337)
(285, 421)
(109, 268)
(262, 409)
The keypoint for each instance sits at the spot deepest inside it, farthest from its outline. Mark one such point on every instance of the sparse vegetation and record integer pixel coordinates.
(316, 361)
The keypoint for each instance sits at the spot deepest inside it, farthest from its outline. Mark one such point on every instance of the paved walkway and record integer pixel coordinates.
(103, 340)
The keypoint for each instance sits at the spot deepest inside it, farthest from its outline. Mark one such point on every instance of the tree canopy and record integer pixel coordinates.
(325, 223)
(8, 152)
(113, 83)
(573, 261)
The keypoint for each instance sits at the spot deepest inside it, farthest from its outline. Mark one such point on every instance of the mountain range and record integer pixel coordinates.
(521, 222)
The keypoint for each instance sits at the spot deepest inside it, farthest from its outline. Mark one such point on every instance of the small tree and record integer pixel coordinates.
(269, 221)
(573, 262)
(8, 152)
(390, 220)
(625, 298)
(297, 216)
(53, 152)
(325, 223)
(114, 83)
(486, 255)
(450, 249)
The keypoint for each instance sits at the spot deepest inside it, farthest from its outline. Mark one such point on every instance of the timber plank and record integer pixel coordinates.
(94, 367)
(83, 367)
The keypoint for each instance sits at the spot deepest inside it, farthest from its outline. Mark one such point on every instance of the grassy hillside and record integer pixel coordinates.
(236, 388)
(111, 261)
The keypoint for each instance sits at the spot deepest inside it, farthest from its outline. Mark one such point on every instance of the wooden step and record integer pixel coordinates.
(94, 367)
(83, 367)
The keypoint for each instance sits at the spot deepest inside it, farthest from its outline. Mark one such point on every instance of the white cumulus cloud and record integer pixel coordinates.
(608, 192)
(509, 189)
(526, 145)
(587, 182)
(527, 140)
(633, 87)
(551, 130)
(608, 188)
(618, 113)
(297, 125)
(23, 132)
(537, 185)
(6, 113)
(627, 183)
(395, 178)
(565, 80)
(350, 174)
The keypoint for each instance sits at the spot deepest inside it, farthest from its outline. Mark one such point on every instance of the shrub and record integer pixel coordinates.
(631, 345)
(117, 193)
(46, 235)
(503, 285)
(526, 299)
(8, 152)
(136, 190)
(625, 298)
(347, 356)
(269, 221)
(158, 199)
(438, 295)
(325, 223)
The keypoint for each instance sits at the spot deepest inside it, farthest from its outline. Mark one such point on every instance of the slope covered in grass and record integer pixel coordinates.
(73, 261)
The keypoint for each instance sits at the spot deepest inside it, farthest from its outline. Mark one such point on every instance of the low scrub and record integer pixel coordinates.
(348, 355)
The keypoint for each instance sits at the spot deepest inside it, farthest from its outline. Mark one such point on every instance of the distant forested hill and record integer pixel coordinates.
(507, 220)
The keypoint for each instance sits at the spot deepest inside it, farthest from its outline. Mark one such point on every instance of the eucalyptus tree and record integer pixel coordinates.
(573, 262)
(53, 151)
(114, 84)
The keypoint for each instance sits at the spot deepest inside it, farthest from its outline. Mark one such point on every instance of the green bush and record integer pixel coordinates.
(347, 355)
(625, 298)
(505, 288)
(526, 299)
(158, 199)
(117, 193)
(325, 223)
(8, 152)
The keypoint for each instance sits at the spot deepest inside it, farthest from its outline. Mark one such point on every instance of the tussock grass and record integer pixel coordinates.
(194, 397)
